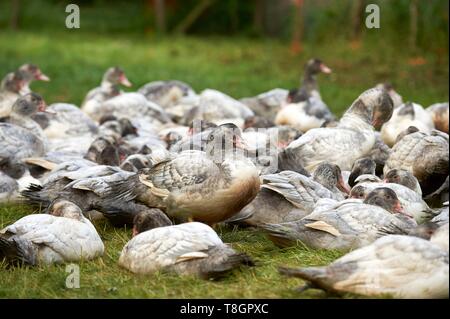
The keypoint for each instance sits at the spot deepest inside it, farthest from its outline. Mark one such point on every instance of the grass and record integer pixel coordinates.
(239, 67)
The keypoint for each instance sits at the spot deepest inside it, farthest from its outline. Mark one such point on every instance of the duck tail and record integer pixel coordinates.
(34, 196)
(280, 235)
(314, 276)
(15, 251)
(221, 260)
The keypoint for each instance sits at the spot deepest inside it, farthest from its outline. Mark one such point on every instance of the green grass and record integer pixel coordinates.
(239, 67)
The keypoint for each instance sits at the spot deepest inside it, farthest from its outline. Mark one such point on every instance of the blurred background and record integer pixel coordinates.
(239, 47)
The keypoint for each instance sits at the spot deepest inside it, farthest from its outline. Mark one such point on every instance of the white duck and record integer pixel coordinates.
(187, 249)
(406, 115)
(345, 225)
(62, 236)
(22, 111)
(219, 108)
(353, 138)
(440, 114)
(412, 202)
(306, 110)
(268, 103)
(65, 120)
(10, 88)
(426, 156)
(133, 106)
(30, 73)
(166, 93)
(208, 186)
(395, 265)
(108, 88)
(289, 196)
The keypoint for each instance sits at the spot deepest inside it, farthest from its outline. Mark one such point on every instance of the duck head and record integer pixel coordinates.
(32, 72)
(65, 208)
(13, 82)
(224, 139)
(374, 107)
(385, 198)
(116, 76)
(362, 166)
(149, 219)
(402, 177)
(316, 66)
(198, 126)
(424, 231)
(330, 176)
(409, 130)
(29, 105)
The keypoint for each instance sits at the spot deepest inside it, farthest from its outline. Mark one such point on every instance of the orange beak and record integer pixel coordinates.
(325, 69)
(124, 81)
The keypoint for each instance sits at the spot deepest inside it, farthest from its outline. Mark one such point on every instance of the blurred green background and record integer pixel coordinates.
(239, 47)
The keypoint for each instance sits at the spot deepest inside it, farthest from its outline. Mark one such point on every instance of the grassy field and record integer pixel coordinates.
(239, 67)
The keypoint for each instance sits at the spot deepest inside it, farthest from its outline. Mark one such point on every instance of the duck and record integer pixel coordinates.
(108, 88)
(90, 188)
(379, 154)
(348, 224)
(266, 104)
(399, 266)
(396, 98)
(61, 236)
(288, 196)
(208, 186)
(189, 249)
(309, 87)
(31, 72)
(16, 177)
(425, 156)
(166, 93)
(219, 108)
(360, 167)
(21, 113)
(305, 109)
(439, 114)
(10, 89)
(64, 120)
(352, 139)
(403, 177)
(412, 202)
(404, 116)
(17, 143)
(132, 105)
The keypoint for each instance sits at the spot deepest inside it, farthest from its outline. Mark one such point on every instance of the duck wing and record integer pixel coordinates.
(17, 143)
(300, 190)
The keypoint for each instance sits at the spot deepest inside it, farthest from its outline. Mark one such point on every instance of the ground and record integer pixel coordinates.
(239, 67)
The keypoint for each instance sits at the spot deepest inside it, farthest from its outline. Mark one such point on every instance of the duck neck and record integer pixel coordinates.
(309, 82)
(358, 116)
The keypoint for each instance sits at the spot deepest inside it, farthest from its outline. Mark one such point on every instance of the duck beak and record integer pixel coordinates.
(342, 186)
(241, 143)
(398, 208)
(42, 77)
(42, 106)
(325, 69)
(376, 122)
(135, 231)
(124, 81)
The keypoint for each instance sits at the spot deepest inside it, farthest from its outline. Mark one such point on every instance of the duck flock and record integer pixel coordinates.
(173, 163)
